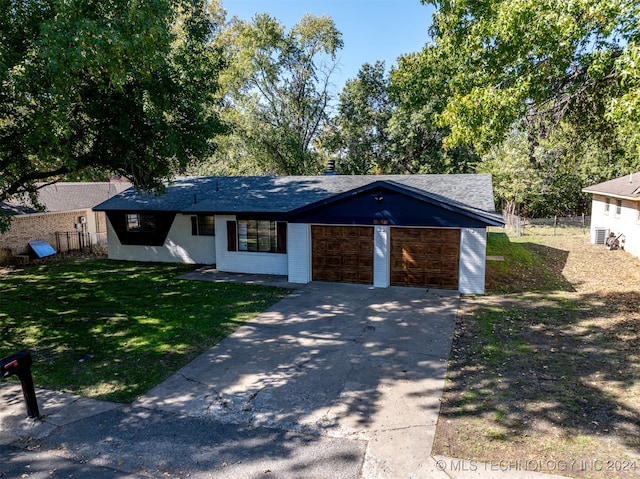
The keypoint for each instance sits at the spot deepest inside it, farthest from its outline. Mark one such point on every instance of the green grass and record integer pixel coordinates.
(113, 330)
(528, 265)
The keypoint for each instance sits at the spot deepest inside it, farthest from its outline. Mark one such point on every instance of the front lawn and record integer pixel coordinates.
(113, 330)
(545, 371)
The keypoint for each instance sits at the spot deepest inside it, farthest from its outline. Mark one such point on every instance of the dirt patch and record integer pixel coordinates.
(550, 378)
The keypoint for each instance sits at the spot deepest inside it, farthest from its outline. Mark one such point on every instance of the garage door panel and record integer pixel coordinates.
(433, 249)
(365, 277)
(434, 267)
(426, 257)
(450, 248)
(318, 262)
(320, 231)
(409, 279)
(412, 249)
(342, 254)
(350, 261)
(350, 246)
(448, 283)
(449, 263)
(334, 261)
(440, 265)
(412, 234)
(366, 263)
(333, 246)
(349, 276)
(448, 235)
(332, 276)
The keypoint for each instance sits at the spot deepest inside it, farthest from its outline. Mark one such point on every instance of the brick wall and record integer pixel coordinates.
(39, 226)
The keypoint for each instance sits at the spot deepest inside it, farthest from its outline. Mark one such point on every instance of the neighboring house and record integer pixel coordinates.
(419, 230)
(68, 209)
(616, 209)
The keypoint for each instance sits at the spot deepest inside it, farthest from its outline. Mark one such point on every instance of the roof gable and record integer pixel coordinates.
(389, 202)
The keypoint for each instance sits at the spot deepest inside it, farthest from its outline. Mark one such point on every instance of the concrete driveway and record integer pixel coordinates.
(335, 380)
(334, 360)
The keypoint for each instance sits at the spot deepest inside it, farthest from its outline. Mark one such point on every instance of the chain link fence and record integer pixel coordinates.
(556, 225)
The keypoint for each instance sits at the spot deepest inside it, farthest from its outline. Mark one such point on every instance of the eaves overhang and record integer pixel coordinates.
(636, 196)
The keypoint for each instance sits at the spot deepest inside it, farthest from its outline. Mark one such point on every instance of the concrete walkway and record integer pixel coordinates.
(332, 381)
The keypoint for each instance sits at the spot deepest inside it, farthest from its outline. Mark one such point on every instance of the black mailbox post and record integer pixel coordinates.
(20, 365)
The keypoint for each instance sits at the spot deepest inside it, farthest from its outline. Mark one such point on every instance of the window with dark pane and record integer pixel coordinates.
(261, 236)
(140, 223)
(203, 225)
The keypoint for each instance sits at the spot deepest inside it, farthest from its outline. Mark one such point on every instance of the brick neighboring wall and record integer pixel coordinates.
(38, 227)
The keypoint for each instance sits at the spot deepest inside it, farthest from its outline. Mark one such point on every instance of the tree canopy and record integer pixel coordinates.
(276, 93)
(121, 86)
(358, 135)
(541, 61)
(419, 88)
(547, 92)
(544, 94)
(381, 126)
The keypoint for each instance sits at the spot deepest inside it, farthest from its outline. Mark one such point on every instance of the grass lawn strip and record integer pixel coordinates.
(549, 378)
(113, 330)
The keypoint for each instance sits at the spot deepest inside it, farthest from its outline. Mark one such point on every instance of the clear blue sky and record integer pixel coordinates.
(371, 29)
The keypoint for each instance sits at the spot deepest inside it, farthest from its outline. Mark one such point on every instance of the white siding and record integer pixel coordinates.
(179, 247)
(627, 222)
(381, 257)
(245, 261)
(299, 252)
(473, 257)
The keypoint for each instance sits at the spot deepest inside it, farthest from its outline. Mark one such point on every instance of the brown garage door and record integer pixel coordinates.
(342, 254)
(426, 257)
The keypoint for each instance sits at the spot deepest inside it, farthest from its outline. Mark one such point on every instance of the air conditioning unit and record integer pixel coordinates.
(601, 235)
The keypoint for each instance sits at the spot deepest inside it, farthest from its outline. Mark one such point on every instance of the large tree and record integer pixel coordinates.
(544, 61)
(420, 88)
(122, 86)
(276, 93)
(552, 185)
(358, 135)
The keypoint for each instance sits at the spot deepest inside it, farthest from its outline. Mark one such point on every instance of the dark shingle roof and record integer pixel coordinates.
(282, 194)
(627, 186)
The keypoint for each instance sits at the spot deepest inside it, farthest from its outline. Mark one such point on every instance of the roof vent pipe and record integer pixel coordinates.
(331, 168)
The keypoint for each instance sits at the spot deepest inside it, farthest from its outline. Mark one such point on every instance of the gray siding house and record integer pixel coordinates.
(392, 230)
